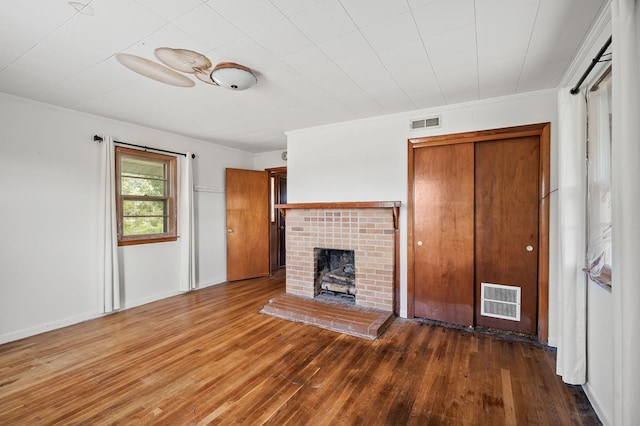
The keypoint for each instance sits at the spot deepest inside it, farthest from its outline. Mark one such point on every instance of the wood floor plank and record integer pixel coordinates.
(507, 396)
(210, 357)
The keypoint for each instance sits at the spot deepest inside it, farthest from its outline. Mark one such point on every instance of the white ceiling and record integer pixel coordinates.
(317, 61)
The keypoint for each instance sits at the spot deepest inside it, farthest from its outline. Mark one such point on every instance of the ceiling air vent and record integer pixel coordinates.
(426, 123)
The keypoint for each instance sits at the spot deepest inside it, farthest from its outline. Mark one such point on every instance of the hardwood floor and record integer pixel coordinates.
(210, 357)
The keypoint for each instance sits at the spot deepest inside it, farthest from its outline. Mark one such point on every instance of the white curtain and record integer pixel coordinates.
(186, 229)
(571, 359)
(108, 238)
(625, 164)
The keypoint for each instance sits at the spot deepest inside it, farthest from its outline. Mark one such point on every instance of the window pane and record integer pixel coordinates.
(146, 199)
(144, 208)
(599, 182)
(143, 225)
(143, 168)
(142, 186)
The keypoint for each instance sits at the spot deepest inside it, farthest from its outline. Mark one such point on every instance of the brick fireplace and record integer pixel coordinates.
(367, 228)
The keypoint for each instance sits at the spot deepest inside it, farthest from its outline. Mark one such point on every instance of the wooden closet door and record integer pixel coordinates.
(443, 233)
(506, 231)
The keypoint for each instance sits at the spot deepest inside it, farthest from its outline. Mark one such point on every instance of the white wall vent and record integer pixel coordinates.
(500, 301)
(426, 123)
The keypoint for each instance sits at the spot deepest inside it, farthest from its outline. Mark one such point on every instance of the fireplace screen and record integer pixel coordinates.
(335, 274)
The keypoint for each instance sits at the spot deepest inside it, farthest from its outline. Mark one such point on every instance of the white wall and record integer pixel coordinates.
(48, 186)
(600, 331)
(268, 160)
(366, 160)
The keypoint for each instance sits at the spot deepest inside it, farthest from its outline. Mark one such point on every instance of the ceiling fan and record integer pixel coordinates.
(225, 74)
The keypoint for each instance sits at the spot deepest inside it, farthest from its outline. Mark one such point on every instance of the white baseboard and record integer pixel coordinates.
(154, 298)
(603, 415)
(215, 281)
(54, 325)
(43, 328)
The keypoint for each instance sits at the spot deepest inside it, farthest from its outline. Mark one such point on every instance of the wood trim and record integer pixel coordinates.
(342, 205)
(146, 241)
(395, 205)
(396, 273)
(410, 225)
(543, 130)
(543, 232)
(276, 242)
(281, 169)
(480, 135)
(170, 161)
(600, 79)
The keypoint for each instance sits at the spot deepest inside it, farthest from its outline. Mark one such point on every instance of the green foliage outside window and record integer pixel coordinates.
(143, 225)
(142, 182)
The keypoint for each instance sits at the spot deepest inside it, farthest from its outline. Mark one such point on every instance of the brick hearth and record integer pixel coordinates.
(357, 321)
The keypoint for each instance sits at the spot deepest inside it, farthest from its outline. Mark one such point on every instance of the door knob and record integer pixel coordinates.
(419, 243)
(230, 231)
(529, 248)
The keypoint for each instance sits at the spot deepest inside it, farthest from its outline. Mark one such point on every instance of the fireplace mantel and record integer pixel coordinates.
(395, 205)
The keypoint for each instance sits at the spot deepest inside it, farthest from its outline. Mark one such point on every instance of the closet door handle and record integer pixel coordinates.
(529, 248)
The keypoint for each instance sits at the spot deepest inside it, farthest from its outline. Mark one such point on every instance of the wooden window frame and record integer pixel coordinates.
(171, 197)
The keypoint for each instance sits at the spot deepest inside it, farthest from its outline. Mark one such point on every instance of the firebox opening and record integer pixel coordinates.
(335, 276)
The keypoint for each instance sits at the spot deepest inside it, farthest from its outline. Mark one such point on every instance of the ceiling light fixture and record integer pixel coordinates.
(226, 74)
(233, 76)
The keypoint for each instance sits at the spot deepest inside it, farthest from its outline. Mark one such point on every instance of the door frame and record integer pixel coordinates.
(275, 242)
(543, 131)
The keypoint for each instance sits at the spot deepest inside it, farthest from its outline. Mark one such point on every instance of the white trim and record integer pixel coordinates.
(211, 283)
(437, 110)
(604, 417)
(584, 55)
(50, 326)
(204, 143)
(150, 299)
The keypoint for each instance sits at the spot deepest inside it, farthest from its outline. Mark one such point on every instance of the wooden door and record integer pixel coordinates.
(443, 233)
(247, 198)
(506, 231)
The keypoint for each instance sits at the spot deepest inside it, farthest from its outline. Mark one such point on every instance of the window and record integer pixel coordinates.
(145, 196)
(599, 181)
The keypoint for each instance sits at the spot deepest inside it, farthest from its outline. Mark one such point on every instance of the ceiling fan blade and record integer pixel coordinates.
(182, 60)
(205, 76)
(153, 70)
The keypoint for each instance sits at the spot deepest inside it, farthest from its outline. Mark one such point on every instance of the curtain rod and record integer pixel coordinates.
(97, 138)
(576, 88)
